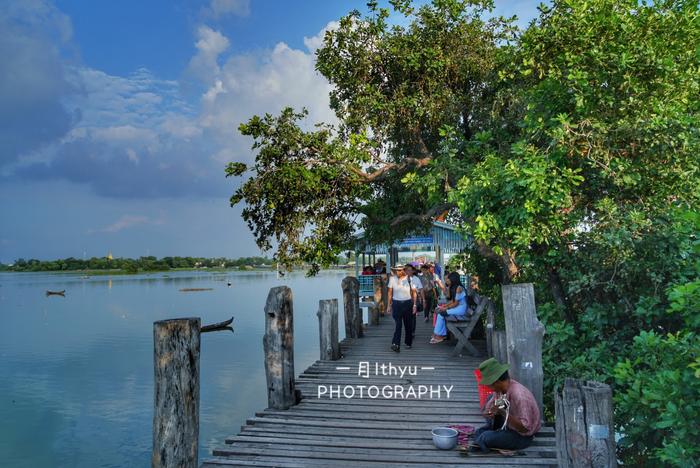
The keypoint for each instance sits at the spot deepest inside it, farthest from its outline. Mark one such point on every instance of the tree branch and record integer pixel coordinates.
(382, 172)
(422, 217)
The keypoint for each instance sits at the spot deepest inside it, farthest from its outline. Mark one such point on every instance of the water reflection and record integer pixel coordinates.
(77, 376)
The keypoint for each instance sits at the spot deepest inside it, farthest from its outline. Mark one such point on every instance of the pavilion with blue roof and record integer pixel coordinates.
(443, 239)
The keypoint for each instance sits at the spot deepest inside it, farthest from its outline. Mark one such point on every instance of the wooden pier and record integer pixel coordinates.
(367, 432)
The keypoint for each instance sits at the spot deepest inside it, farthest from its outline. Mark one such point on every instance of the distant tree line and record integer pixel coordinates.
(131, 265)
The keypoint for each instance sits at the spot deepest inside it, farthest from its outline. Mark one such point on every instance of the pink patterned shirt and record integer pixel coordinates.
(522, 406)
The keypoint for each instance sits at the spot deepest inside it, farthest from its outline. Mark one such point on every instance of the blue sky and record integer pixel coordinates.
(117, 118)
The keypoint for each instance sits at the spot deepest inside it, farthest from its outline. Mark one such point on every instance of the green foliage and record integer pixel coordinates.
(568, 153)
(394, 89)
(657, 391)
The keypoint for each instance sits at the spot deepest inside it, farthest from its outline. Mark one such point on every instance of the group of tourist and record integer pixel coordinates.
(417, 288)
(512, 415)
(379, 268)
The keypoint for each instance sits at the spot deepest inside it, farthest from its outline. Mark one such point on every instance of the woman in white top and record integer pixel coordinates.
(402, 304)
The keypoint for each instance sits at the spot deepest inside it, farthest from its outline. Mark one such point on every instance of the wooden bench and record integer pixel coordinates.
(372, 311)
(462, 329)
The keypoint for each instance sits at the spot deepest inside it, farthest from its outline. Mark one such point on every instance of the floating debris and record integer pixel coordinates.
(195, 289)
(56, 293)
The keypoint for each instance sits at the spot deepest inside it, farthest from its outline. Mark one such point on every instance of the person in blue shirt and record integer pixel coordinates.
(456, 305)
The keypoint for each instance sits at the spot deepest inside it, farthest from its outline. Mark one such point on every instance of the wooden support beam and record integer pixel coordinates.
(328, 329)
(351, 304)
(176, 345)
(278, 344)
(500, 346)
(524, 334)
(379, 284)
(585, 436)
(373, 315)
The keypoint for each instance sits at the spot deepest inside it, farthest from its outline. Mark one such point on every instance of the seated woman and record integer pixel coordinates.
(456, 306)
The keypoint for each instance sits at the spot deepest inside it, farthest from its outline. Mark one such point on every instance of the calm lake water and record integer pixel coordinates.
(76, 372)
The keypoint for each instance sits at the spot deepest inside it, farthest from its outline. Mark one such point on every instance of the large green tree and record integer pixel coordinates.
(397, 90)
(568, 152)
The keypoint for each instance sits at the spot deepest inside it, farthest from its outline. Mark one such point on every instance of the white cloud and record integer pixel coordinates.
(250, 84)
(137, 137)
(210, 44)
(125, 222)
(315, 42)
(128, 221)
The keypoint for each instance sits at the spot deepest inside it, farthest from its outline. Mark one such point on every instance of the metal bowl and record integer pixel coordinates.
(444, 438)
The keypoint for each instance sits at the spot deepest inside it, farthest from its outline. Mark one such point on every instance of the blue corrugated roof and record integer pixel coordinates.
(441, 234)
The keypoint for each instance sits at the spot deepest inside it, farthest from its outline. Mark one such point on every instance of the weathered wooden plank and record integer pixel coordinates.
(328, 329)
(354, 435)
(524, 334)
(274, 461)
(332, 423)
(418, 447)
(585, 434)
(352, 455)
(278, 344)
(176, 345)
(398, 453)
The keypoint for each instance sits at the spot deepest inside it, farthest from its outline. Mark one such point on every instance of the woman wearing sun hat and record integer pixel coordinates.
(402, 304)
(512, 414)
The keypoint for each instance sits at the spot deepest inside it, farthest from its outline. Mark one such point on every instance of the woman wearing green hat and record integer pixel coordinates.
(512, 414)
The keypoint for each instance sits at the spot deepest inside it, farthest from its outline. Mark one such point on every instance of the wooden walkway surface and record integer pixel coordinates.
(373, 432)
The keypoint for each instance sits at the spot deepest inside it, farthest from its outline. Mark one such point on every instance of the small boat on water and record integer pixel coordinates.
(56, 293)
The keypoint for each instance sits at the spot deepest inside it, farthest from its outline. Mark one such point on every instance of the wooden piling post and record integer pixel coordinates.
(278, 344)
(351, 304)
(373, 315)
(176, 345)
(328, 329)
(524, 334)
(379, 295)
(585, 436)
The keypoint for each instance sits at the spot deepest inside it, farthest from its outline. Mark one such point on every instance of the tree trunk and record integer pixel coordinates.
(510, 269)
(278, 344)
(176, 345)
(556, 287)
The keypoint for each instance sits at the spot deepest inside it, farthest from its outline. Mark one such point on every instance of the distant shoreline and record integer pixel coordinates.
(118, 272)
